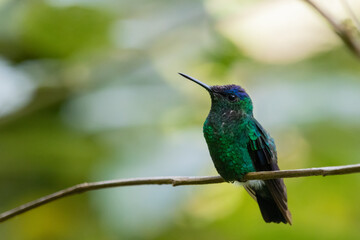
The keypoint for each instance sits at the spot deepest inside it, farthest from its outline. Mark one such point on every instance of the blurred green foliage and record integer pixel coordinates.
(89, 91)
(51, 32)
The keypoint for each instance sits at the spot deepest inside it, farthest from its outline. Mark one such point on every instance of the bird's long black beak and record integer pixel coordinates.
(207, 87)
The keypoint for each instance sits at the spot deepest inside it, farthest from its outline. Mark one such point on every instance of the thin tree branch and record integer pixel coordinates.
(349, 34)
(176, 181)
(347, 8)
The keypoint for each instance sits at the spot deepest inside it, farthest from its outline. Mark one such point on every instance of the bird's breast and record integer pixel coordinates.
(228, 149)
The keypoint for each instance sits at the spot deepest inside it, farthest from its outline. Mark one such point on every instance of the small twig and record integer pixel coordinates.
(176, 181)
(348, 9)
(349, 36)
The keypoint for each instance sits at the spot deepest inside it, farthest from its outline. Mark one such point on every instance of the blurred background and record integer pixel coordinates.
(89, 91)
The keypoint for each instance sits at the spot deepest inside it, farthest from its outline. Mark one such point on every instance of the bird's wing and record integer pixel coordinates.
(262, 151)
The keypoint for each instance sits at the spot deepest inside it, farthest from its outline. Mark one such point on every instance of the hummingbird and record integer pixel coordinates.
(238, 144)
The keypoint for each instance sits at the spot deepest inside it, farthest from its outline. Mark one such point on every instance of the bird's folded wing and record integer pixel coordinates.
(262, 151)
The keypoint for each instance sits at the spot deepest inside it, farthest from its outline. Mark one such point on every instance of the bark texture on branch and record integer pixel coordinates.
(176, 181)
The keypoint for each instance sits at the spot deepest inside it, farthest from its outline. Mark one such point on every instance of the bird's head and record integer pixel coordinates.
(226, 98)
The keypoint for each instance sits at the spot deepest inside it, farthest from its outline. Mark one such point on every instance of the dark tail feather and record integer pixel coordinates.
(270, 211)
(273, 207)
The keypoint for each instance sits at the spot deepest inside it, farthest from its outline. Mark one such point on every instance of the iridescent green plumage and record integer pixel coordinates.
(227, 139)
(238, 144)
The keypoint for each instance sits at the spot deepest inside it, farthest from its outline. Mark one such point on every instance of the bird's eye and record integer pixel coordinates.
(232, 97)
